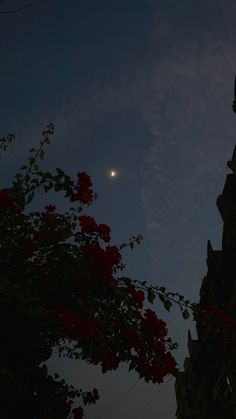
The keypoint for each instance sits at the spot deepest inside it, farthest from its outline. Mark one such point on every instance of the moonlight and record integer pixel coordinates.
(113, 173)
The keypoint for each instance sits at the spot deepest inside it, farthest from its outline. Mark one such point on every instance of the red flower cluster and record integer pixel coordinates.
(44, 370)
(84, 194)
(28, 246)
(103, 261)
(89, 225)
(78, 412)
(75, 327)
(131, 337)
(87, 326)
(49, 214)
(45, 234)
(152, 325)
(157, 365)
(5, 199)
(50, 208)
(68, 319)
(109, 360)
(138, 296)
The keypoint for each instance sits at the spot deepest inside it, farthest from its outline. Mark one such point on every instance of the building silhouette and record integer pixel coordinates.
(206, 389)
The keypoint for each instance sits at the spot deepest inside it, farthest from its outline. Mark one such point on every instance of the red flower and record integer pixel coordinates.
(113, 254)
(39, 235)
(29, 247)
(86, 327)
(5, 199)
(69, 319)
(104, 232)
(153, 325)
(101, 263)
(48, 235)
(131, 337)
(84, 194)
(44, 370)
(88, 224)
(138, 296)
(84, 179)
(78, 412)
(109, 360)
(50, 208)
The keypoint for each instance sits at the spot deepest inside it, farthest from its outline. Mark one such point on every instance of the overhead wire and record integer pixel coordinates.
(118, 399)
(203, 203)
(188, 223)
(204, 16)
(154, 396)
(219, 12)
(180, 233)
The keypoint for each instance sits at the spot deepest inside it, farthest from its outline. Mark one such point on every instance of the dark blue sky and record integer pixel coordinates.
(145, 87)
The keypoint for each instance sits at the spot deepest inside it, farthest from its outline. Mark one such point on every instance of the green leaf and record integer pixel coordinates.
(126, 280)
(60, 172)
(162, 289)
(46, 188)
(162, 298)
(57, 187)
(151, 296)
(29, 198)
(185, 314)
(167, 305)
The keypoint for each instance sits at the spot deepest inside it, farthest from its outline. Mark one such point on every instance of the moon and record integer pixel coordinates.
(113, 173)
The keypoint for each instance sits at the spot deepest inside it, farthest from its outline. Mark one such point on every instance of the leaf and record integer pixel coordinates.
(162, 298)
(126, 280)
(151, 296)
(162, 289)
(185, 314)
(57, 187)
(29, 198)
(46, 188)
(60, 172)
(167, 305)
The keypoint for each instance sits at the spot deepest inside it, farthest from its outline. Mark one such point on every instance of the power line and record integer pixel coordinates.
(222, 22)
(203, 203)
(204, 16)
(154, 396)
(195, 213)
(118, 399)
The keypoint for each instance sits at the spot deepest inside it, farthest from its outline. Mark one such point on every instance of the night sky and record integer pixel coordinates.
(144, 87)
